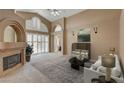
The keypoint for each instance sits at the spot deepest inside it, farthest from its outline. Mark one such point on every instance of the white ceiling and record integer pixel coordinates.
(46, 14)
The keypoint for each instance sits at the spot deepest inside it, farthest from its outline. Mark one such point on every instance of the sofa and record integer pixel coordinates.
(97, 70)
(116, 71)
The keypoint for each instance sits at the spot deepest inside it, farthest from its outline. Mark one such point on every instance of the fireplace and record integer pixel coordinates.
(11, 61)
(12, 53)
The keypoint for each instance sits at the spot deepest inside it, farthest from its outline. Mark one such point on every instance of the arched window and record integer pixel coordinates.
(36, 24)
(58, 28)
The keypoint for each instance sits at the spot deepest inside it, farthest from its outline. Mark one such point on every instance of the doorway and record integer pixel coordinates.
(58, 39)
(58, 43)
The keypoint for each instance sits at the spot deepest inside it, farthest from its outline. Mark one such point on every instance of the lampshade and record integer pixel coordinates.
(108, 61)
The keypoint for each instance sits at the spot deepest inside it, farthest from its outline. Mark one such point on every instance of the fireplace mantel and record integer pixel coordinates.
(12, 45)
(9, 49)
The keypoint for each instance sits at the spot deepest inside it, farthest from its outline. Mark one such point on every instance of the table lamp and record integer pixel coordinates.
(108, 62)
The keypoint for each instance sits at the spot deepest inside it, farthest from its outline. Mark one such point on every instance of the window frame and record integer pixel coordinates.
(42, 42)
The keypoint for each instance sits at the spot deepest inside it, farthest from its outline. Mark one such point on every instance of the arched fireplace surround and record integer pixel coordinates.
(9, 49)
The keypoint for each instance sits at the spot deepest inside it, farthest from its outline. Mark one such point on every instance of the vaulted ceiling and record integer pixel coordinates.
(46, 13)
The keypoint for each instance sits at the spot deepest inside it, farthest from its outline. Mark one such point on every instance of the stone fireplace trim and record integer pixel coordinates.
(20, 31)
(11, 48)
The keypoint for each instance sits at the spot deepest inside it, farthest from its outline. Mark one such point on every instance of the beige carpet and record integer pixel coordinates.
(25, 74)
(57, 68)
(45, 68)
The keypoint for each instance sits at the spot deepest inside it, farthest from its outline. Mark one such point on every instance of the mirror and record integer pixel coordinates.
(84, 35)
(10, 34)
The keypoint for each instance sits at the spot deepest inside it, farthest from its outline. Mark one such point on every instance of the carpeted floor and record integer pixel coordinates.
(45, 68)
(56, 68)
(24, 74)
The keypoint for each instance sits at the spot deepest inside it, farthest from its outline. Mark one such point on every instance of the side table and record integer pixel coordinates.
(101, 79)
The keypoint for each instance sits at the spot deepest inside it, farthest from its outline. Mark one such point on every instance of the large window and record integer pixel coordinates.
(40, 42)
(35, 24)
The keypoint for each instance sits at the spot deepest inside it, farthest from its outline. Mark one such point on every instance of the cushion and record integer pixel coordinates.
(93, 67)
(96, 65)
(101, 69)
(116, 72)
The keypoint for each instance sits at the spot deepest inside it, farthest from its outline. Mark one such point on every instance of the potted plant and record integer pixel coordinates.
(29, 51)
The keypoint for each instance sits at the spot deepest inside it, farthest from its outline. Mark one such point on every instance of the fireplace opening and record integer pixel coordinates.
(11, 61)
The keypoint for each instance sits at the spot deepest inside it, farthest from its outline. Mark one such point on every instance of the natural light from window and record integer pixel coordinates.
(58, 28)
(40, 42)
(35, 24)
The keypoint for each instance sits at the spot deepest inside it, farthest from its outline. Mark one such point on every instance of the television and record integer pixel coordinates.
(84, 38)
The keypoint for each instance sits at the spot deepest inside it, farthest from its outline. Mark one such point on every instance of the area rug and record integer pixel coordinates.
(57, 68)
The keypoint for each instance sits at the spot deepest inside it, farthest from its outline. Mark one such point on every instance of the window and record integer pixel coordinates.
(29, 39)
(35, 43)
(40, 42)
(46, 43)
(58, 28)
(36, 24)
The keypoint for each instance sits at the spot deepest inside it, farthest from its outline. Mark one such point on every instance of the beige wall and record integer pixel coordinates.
(107, 22)
(122, 37)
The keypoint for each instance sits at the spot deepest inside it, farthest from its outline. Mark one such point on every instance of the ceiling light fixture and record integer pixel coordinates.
(54, 12)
